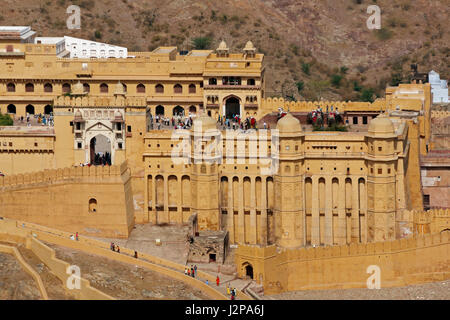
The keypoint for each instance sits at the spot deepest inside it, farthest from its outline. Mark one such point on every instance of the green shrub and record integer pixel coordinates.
(336, 80)
(383, 34)
(305, 68)
(201, 43)
(97, 35)
(6, 120)
(367, 95)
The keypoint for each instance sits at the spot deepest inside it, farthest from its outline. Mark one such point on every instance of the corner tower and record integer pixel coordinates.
(288, 207)
(381, 181)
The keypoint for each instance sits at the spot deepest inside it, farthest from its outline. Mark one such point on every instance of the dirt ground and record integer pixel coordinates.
(428, 291)
(15, 283)
(125, 281)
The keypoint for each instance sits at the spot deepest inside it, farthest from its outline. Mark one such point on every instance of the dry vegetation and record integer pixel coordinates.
(314, 49)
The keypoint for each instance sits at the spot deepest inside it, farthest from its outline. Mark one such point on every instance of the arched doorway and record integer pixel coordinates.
(48, 109)
(29, 109)
(159, 110)
(232, 107)
(11, 109)
(178, 111)
(248, 270)
(100, 150)
(192, 109)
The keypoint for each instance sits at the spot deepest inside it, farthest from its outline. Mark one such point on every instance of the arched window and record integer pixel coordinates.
(66, 88)
(48, 87)
(212, 81)
(192, 109)
(159, 110)
(251, 82)
(92, 205)
(48, 109)
(125, 88)
(178, 111)
(29, 87)
(192, 88)
(177, 88)
(30, 109)
(140, 88)
(11, 108)
(103, 88)
(159, 88)
(11, 87)
(86, 87)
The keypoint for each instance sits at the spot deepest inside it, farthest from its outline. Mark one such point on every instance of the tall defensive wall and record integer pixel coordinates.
(90, 200)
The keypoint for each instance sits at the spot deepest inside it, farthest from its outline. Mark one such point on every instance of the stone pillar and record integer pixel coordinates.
(166, 198)
(180, 200)
(230, 215)
(241, 110)
(328, 232)
(342, 228)
(253, 232)
(363, 209)
(355, 210)
(224, 109)
(241, 216)
(264, 222)
(315, 222)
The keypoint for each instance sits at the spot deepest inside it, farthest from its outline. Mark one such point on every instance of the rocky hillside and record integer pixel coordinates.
(314, 48)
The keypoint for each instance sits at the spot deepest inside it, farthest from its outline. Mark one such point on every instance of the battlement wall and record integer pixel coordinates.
(90, 200)
(52, 176)
(402, 262)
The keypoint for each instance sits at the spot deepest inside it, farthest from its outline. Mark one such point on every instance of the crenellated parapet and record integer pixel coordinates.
(60, 175)
(401, 262)
(272, 104)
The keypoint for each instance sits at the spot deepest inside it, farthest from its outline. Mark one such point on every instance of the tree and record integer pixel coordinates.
(336, 80)
(201, 43)
(300, 85)
(6, 120)
(367, 95)
(318, 87)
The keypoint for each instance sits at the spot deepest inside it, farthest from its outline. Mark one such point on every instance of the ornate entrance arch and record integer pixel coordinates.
(232, 107)
(104, 142)
(100, 150)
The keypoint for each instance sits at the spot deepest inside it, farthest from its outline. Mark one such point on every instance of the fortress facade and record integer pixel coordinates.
(287, 187)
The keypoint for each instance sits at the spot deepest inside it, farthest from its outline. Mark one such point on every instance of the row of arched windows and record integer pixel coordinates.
(104, 88)
(29, 87)
(28, 109)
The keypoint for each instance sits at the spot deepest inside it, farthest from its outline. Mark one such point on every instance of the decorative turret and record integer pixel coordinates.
(381, 180)
(381, 127)
(222, 50)
(289, 125)
(249, 50)
(289, 216)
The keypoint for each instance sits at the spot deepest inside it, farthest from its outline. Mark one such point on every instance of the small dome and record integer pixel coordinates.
(381, 125)
(118, 115)
(78, 115)
(203, 123)
(120, 90)
(222, 46)
(249, 46)
(289, 124)
(78, 89)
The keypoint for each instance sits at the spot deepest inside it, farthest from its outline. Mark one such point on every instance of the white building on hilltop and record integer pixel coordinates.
(85, 49)
(439, 88)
